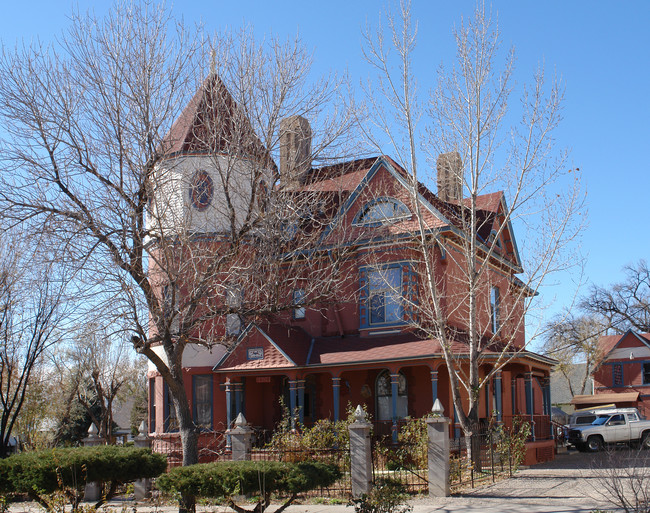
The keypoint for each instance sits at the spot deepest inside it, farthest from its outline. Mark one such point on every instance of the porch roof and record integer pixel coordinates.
(624, 397)
(285, 348)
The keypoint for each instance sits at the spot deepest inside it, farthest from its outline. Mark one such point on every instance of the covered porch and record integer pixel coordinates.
(393, 378)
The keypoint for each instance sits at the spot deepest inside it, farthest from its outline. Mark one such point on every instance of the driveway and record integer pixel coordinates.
(572, 482)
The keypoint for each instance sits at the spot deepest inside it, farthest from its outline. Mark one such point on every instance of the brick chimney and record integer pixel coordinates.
(295, 149)
(450, 176)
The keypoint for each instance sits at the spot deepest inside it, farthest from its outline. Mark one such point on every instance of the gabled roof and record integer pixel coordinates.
(212, 122)
(357, 179)
(349, 180)
(608, 343)
(281, 347)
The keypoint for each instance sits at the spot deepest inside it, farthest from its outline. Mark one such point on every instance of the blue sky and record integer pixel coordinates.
(600, 49)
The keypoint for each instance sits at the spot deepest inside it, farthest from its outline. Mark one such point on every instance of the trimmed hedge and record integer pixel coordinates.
(224, 480)
(43, 472)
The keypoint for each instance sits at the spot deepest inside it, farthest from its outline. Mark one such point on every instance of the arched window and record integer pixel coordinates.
(384, 395)
(380, 211)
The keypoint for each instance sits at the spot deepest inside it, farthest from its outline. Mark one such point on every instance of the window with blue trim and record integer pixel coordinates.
(298, 304)
(152, 405)
(495, 321)
(202, 400)
(170, 421)
(646, 373)
(233, 301)
(383, 293)
(617, 375)
(380, 211)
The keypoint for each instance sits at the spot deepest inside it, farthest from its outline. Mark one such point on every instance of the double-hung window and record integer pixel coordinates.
(617, 375)
(385, 303)
(233, 302)
(202, 400)
(646, 373)
(388, 295)
(170, 420)
(495, 322)
(298, 304)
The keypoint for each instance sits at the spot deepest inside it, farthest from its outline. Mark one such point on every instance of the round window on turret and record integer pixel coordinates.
(201, 190)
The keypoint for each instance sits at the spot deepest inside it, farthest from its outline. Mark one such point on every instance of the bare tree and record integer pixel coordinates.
(468, 131)
(100, 368)
(170, 206)
(30, 314)
(574, 339)
(624, 305)
(622, 480)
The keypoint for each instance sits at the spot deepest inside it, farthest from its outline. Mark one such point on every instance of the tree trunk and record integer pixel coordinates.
(473, 437)
(189, 440)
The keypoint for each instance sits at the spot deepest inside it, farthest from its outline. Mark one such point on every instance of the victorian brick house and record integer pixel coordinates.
(363, 349)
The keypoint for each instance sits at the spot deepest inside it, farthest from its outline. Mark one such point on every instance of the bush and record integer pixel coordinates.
(225, 480)
(511, 442)
(40, 473)
(305, 443)
(387, 496)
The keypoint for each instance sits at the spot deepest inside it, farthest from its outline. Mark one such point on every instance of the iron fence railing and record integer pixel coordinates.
(489, 460)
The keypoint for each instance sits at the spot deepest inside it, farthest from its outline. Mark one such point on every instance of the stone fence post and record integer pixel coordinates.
(241, 439)
(93, 491)
(360, 457)
(142, 487)
(438, 449)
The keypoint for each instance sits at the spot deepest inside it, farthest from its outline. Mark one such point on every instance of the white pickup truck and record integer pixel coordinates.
(619, 425)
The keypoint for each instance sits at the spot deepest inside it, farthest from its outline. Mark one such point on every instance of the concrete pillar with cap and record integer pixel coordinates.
(438, 451)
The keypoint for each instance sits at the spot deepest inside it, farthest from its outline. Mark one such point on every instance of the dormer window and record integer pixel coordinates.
(381, 211)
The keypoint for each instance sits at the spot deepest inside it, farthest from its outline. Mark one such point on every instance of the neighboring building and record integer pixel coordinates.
(362, 350)
(622, 376)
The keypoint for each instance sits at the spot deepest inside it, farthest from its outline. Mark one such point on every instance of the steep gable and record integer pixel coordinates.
(212, 122)
(267, 347)
(382, 180)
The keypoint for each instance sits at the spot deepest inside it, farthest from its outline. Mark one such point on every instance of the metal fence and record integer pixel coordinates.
(405, 460)
(212, 447)
(491, 460)
(402, 461)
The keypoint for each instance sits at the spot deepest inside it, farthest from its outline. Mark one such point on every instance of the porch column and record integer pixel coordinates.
(336, 396)
(293, 387)
(434, 386)
(229, 412)
(239, 389)
(300, 386)
(513, 391)
(546, 395)
(529, 401)
(545, 382)
(394, 382)
(498, 397)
